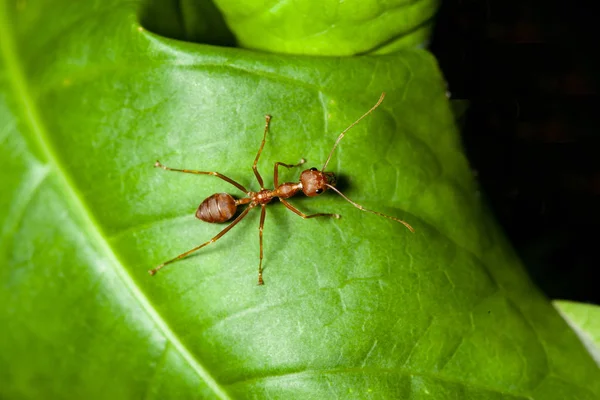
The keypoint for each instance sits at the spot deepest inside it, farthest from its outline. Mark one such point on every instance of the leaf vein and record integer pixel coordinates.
(90, 226)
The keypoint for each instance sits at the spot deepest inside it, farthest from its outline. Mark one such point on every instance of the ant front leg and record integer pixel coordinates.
(191, 171)
(260, 149)
(300, 213)
(276, 169)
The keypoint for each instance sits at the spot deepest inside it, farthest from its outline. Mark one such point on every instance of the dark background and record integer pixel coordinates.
(529, 70)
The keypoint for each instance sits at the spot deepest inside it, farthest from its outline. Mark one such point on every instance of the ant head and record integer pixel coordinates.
(314, 182)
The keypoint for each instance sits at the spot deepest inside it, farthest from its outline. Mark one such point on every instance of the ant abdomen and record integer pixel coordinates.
(219, 207)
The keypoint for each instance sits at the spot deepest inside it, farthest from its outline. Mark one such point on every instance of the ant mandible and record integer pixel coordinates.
(221, 207)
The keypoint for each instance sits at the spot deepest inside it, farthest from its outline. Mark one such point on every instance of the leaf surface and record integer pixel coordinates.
(330, 27)
(585, 321)
(352, 308)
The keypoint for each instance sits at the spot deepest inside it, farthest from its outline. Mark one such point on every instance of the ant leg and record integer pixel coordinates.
(300, 213)
(191, 171)
(263, 213)
(256, 173)
(223, 232)
(276, 172)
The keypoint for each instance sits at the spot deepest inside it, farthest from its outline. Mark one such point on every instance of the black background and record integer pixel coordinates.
(529, 70)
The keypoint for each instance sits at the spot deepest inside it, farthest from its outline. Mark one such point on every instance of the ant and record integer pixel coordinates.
(221, 207)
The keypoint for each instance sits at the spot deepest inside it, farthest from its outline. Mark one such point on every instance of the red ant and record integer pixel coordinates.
(221, 207)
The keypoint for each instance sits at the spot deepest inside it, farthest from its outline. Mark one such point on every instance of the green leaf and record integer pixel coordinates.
(585, 321)
(335, 28)
(352, 308)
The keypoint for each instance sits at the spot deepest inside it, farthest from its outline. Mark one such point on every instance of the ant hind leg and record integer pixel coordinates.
(153, 271)
(157, 164)
(263, 213)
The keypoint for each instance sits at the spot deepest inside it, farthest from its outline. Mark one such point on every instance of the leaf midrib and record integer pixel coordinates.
(382, 371)
(33, 120)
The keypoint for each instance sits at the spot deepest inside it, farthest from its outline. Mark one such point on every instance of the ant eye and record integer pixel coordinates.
(313, 169)
(319, 191)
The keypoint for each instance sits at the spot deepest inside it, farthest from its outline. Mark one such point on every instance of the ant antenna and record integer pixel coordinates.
(410, 228)
(348, 128)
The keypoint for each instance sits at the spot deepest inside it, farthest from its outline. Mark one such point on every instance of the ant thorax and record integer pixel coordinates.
(314, 182)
